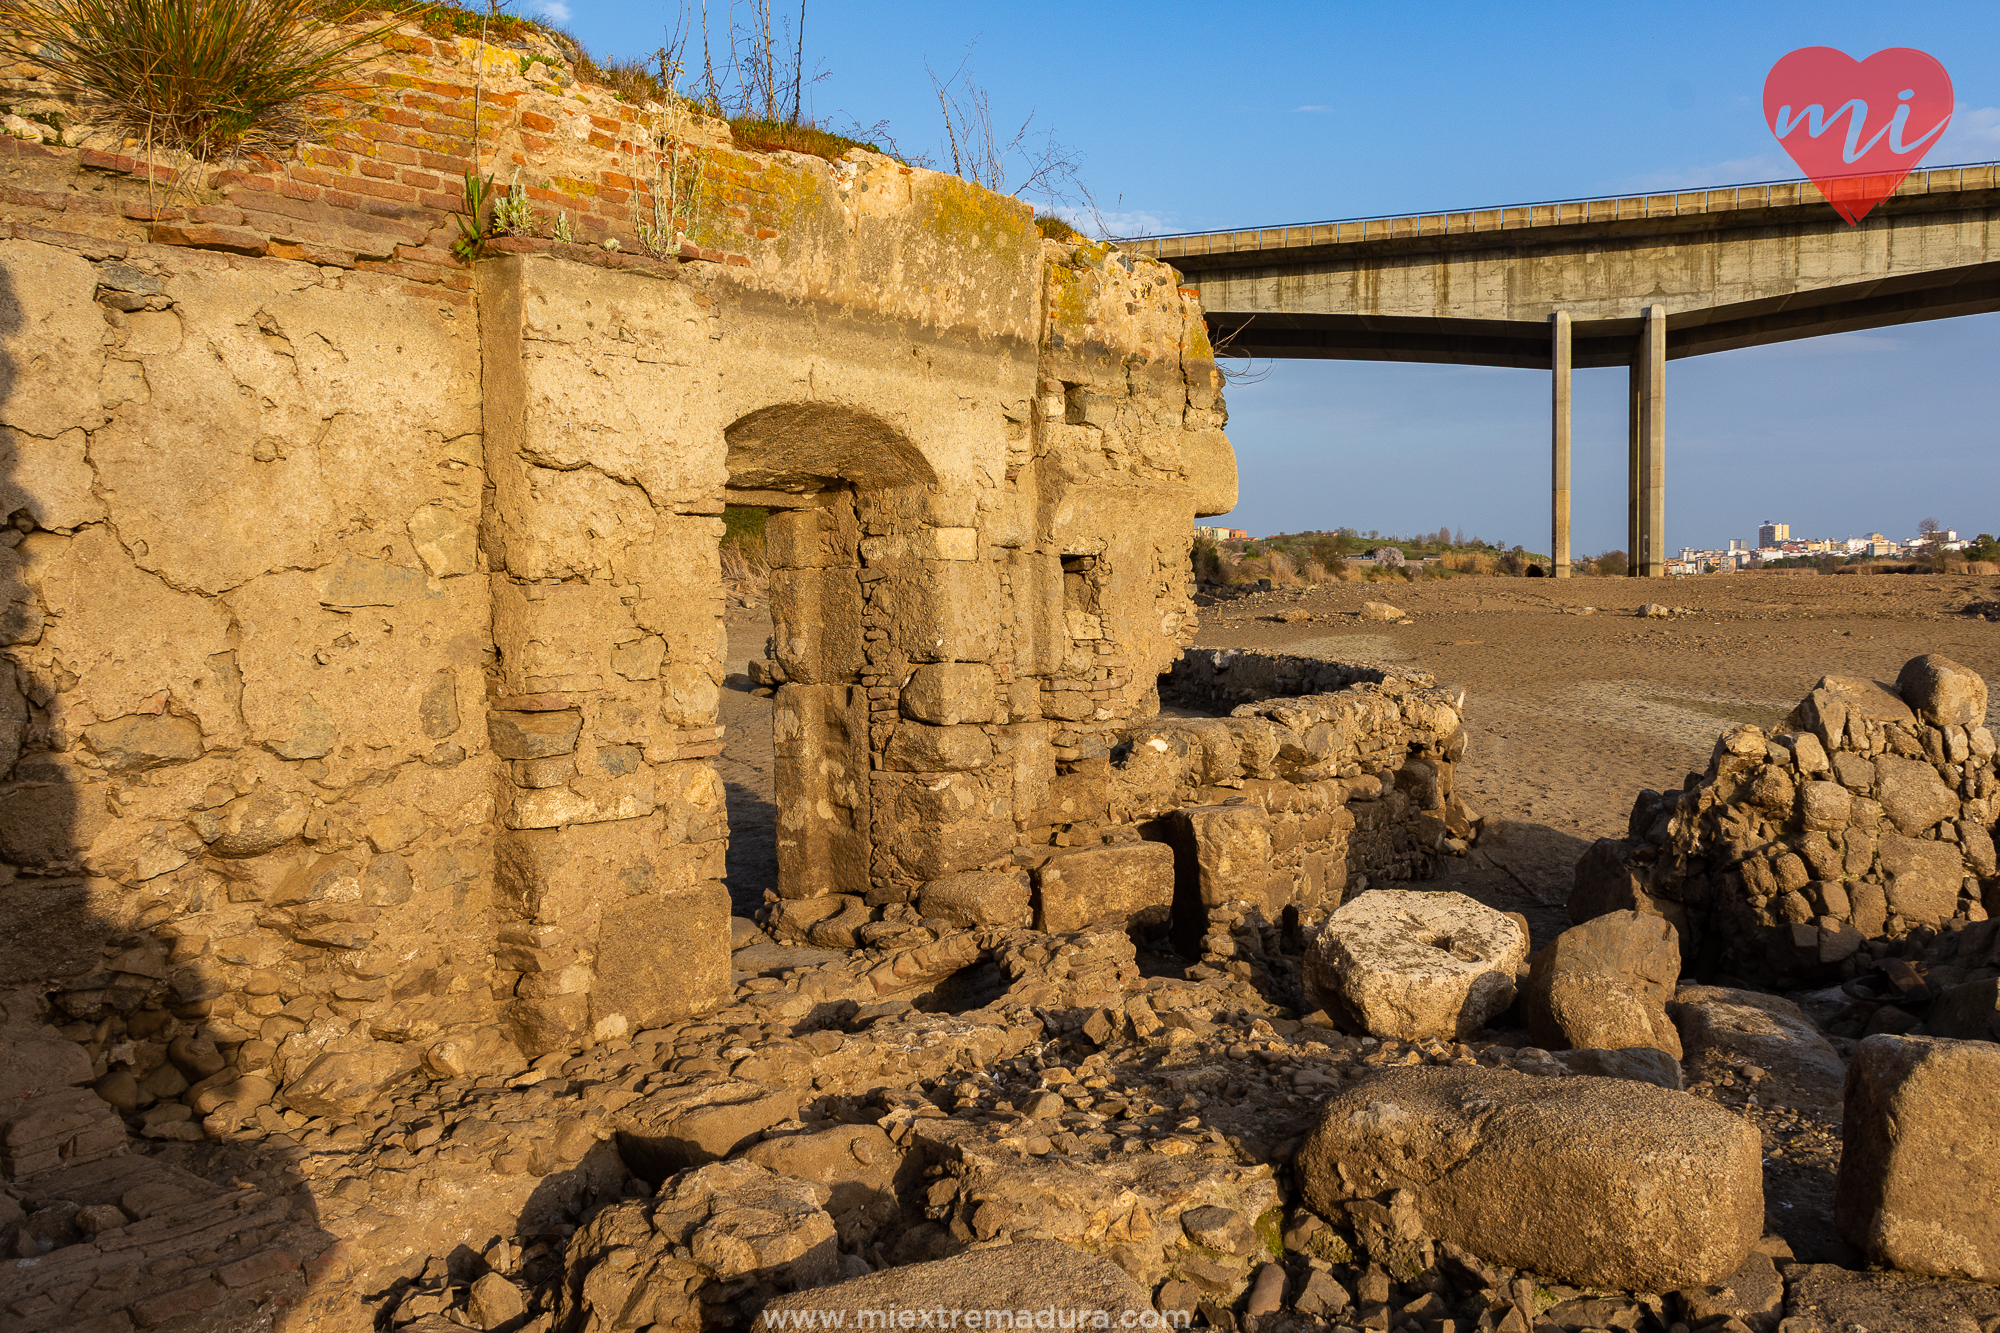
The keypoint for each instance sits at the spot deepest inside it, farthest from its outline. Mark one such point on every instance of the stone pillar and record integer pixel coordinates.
(1651, 429)
(820, 722)
(1559, 361)
(1633, 467)
(611, 915)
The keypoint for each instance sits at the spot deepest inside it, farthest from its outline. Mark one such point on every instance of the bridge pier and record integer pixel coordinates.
(1646, 449)
(1559, 359)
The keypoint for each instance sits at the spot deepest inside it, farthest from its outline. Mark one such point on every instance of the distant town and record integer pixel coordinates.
(1776, 547)
(1233, 555)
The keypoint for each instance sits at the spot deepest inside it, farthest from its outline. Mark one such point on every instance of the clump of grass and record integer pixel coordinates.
(766, 136)
(202, 77)
(1054, 228)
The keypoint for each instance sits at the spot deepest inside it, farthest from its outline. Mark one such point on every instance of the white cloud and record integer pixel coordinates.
(1972, 136)
(1124, 223)
(1321, 109)
(554, 10)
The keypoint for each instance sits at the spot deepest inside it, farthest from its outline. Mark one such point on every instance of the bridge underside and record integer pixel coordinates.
(1908, 298)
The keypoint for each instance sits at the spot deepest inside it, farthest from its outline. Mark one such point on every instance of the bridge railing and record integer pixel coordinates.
(1549, 213)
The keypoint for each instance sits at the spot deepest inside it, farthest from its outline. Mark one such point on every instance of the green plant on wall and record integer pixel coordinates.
(201, 77)
(513, 215)
(675, 204)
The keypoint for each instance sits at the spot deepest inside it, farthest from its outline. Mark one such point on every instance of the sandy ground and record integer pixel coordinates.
(745, 765)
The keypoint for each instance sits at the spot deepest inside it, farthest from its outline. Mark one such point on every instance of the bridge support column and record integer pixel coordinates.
(1646, 502)
(1559, 360)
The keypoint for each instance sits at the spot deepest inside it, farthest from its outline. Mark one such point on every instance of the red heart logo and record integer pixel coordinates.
(1857, 127)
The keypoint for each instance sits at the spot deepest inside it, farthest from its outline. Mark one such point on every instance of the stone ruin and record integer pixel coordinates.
(366, 960)
(1809, 854)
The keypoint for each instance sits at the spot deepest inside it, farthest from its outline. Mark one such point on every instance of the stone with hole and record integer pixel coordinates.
(1409, 965)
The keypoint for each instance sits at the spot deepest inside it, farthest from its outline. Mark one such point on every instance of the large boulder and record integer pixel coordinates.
(1604, 985)
(1919, 1185)
(1406, 964)
(1943, 693)
(1039, 1283)
(1723, 1030)
(1593, 1181)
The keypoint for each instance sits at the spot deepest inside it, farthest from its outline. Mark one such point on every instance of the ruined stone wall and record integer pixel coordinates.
(249, 790)
(1867, 819)
(365, 608)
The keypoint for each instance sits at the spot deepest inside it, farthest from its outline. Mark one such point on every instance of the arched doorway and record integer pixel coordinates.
(812, 468)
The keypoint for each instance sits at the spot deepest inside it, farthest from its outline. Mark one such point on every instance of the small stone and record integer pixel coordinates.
(1222, 1229)
(494, 1301)
(93, 1219)
(1267, 1293)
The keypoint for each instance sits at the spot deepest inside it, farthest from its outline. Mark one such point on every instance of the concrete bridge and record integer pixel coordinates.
(1635, 280)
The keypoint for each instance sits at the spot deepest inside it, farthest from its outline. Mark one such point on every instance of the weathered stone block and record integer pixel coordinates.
(933, 851)
(944, 610)
(946, 694)
(1075, 888)
(694, 1119)
(978, 898)
(917, 748)
(344, 1082)
(1657, 1190)
(1409, 965)
(1604, 985)
(1035, 583)
(820, 770)
(816, 624)
(1912, 794)
(1232, 848)
(566, 877)
(1211, 471)
(266, 818)
(1722, 1029)
(1923, 878)
(660, 959)
(1919, 1185)
(1967, 1012)
(533, 735)
(1825, 805)
(555, 637)
(820, 538)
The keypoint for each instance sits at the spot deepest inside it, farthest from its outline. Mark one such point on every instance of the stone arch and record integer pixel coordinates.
(813, 467)
(807, 446)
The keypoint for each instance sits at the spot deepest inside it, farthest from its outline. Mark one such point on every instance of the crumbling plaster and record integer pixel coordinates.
(369, 642)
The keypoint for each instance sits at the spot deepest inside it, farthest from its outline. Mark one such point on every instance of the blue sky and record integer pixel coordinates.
(1302, 112)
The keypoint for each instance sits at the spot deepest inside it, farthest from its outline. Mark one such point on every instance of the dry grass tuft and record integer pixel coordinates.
(201, 77)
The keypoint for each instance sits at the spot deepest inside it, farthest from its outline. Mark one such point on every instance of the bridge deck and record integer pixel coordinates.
(1762, 196)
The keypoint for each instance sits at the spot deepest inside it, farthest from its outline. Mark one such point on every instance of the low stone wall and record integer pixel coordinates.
(1218, 679)
(1869, 817)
